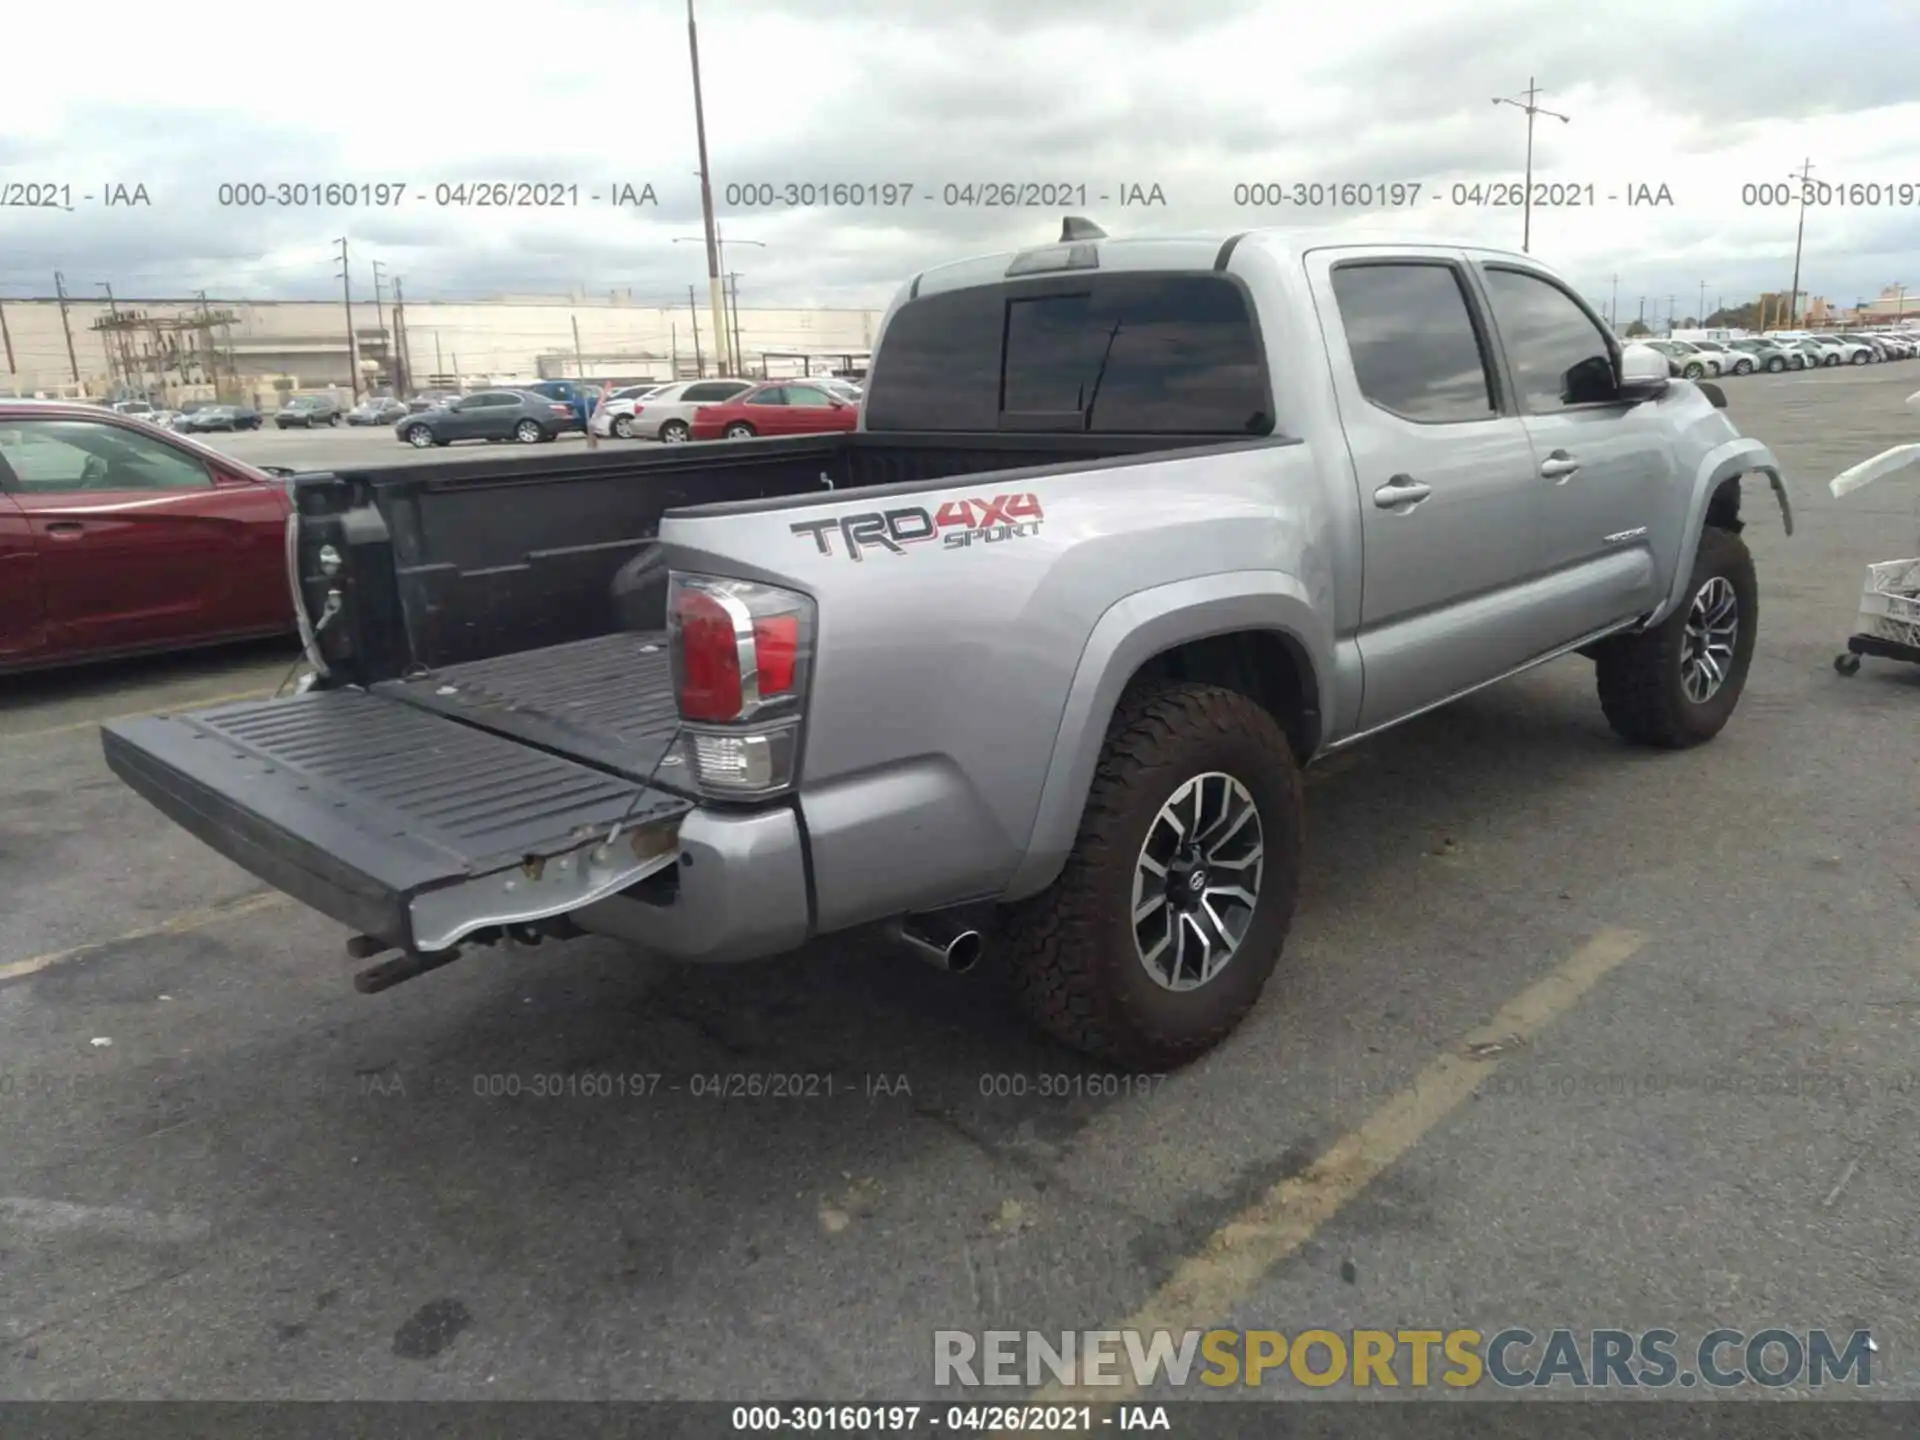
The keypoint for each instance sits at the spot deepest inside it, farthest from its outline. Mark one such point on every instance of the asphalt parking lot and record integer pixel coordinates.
(1593, 1037)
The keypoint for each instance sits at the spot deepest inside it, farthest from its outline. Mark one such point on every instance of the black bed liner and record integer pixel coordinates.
(607, 701)
(355, 804)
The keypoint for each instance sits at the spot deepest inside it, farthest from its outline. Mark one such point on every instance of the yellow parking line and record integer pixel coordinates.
(172, 925)
(200, 702)
(1207, 1287)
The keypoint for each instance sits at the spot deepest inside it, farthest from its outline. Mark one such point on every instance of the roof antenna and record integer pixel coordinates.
(1078, 227)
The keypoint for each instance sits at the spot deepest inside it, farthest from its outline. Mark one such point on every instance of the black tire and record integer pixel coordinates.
(529, 432)
(1694, 370)
(421, 437)
(1776, 365)
(1743, 367)
(623, 426)
(1831, 361)
(1640, 676)
(333, 420)
(675, 432)
(1861, 358)
(1847, 663)
(740, 430)
(1077, 973)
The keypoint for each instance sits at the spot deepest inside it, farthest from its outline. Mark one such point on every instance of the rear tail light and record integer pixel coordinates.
(561, 409)
(742, 654)
(638, 408)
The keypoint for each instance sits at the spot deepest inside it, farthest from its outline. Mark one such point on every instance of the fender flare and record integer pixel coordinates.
(1131, 632)
(1737, 457)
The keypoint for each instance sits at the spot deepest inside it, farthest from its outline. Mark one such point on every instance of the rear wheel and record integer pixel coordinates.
(1694, 370)
(1161, 931)
(420, 437)
(528, 432)
(739, 430)
(675, 432)
(1861, 357)
(1677, 684)
(1776, 365)
(1743, 367)
(333, 420)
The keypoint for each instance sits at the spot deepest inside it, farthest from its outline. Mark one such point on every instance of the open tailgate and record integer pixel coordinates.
(408, 826)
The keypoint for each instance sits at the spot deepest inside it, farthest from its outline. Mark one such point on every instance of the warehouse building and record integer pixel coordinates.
(170, 350)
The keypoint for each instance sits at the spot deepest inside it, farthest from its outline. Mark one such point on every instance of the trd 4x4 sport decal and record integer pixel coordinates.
(958, 524)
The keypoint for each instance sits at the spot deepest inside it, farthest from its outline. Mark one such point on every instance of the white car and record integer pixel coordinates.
(620, 402)
(1729, 360)
(666, 413)
(1849, 352)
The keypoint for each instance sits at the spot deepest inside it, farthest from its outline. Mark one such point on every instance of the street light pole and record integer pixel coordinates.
(1702, 312)
(1532, 93)
(720, 250)
(1799, 238)
(706, 200)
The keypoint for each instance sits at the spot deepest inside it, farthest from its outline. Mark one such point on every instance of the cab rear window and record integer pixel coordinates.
(1159, 354)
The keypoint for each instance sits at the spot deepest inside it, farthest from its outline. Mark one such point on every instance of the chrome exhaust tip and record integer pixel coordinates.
(941, 943)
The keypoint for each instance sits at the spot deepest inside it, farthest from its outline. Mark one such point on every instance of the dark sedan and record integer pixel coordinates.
(307, 411)
(378, 411)
(218, 417)
(489, 415)
(118, 537)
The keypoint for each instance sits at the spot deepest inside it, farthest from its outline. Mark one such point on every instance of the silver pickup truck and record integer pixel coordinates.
(1131, 532)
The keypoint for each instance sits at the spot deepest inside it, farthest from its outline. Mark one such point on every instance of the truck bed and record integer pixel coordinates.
(606, 701)
(501, 554)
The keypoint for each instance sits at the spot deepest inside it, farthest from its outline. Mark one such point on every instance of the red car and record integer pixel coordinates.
(779, 407)
(118, 537)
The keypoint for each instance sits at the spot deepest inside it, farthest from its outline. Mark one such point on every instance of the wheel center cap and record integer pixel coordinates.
(1197, 882)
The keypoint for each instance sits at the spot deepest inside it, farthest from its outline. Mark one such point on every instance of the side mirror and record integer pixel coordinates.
(1643, 373)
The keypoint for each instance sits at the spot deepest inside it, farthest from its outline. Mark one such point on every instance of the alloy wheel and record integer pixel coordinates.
(1706, 651)
(1196, 882)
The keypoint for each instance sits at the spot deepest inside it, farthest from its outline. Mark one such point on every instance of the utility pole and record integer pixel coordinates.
(1670, 314)
(7, 335)
(439, 360)
(206, 339)
(1532, 109)
(1799, 240)
(402, 360)
(693, 308)
(1613, 305)
(706, 198)
(1643, 312)
(739, 352)
(66, 324)
(379, 314)
(579, 359)
(119, 369)
(1899, 305)
(353, 343)
(1703, 304)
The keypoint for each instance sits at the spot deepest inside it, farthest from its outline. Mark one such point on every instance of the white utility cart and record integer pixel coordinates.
(1888, 624)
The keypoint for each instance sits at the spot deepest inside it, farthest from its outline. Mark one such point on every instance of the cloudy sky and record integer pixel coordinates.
(1705, 98)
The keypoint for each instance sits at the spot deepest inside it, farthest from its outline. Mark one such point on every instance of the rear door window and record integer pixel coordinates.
(1151, 354)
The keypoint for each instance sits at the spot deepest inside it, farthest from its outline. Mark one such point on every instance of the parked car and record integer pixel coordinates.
(576, 395)
(667, 413)
(614, 415)
(1729, 361)
(488, 415)
(847, 390)
(1832, 350)
(117, 537)
(1765, 355)
(431, 399)
(210, 418)
(1881, 349)
(139, 409)
(1127, 557)
(1688, 360)
(304, 412)
(382, 410)
(781, 407)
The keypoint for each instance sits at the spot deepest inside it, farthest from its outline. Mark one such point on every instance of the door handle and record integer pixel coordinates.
(1559, 466)
(66, 528)
(1402, 491)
